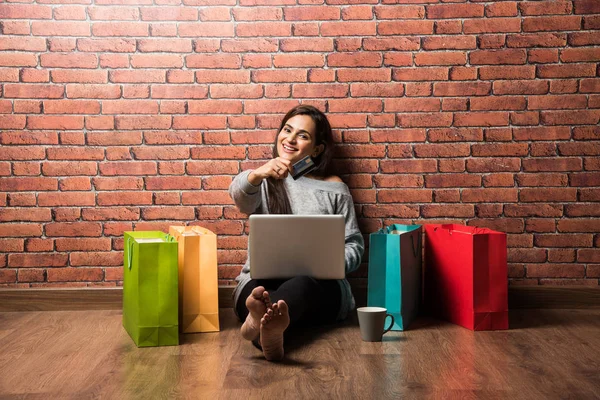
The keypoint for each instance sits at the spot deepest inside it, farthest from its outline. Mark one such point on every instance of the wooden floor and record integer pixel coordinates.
(548, 354)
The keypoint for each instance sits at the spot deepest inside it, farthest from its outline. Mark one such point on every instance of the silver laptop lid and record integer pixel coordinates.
(285, 246)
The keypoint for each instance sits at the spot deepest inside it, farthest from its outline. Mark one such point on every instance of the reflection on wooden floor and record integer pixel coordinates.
(80, 355)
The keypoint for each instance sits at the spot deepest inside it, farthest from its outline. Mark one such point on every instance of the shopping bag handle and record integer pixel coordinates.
(167, 237)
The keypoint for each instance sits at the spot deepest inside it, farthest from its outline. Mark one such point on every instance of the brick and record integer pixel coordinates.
(353, 28)
(27, 215)
(583, 38)
(555, 7)
(216, 183)
(73, 229)
(114, 13)
(167, 198)
(70, 13)
(539, 225)
(557, 23)
(447, 27)
(75, 274)
(498, 103)
(261, 29)
(481, 119)
(451, 165)
(438, 119)
(582, 210)
(573, 149)
(507, 72)
(69, 168)
(23, 44)
(450, 43)
(320, 90)
(390, 44)
(541, 179)
(120, 29)
(496, 25)
(216, 14)
(21, 153)
(37, 260)
(394, 181)
(404, 196)
(206, 198)
(114, 61)
(199, 122)
(500, 150)
(29, 91)
(24, 168)
(107, 45)
(556, 270)
(452, 180)
(19, 60)
(494, 41)
(169, 13)
(311, 13)
(172, 183)
(211, 167)
(548, 195)
(298, 60)
(407, 27)
(60, 28)
(25, 11)
(206, 29)
(552, 164)
(488, 210)
(578, 225)
(526, 255)
(579, 55)
(156, 61)
(455, 135)
(441, 150)
(83, 244)
(161, 153)
(213, 61)
(489, 195)
(455, 11)
(124, 198)
(566, 71)
(16, 28)
(21, 200)
(96, 259)
(74, 184)
(364, 75)
(461, 89)
(125, 183)
(508, 9)
(440, 58)
(496, 57)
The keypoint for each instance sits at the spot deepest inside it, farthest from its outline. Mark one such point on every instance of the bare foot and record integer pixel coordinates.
(272, 325)
(257, 303)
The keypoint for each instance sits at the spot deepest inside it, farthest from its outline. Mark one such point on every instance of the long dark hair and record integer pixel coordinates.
(279, 202)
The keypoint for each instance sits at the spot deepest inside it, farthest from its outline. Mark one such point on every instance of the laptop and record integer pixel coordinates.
(285, 246)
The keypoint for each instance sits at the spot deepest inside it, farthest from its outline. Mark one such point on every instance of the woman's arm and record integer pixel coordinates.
(355, 244)
(245, 195)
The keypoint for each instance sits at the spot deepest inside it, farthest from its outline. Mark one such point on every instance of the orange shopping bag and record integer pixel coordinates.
(198, 285)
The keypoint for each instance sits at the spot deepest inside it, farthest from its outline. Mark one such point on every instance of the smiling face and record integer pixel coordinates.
(298, 139)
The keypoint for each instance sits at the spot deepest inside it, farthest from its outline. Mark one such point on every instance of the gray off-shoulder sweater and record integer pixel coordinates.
(307, 197)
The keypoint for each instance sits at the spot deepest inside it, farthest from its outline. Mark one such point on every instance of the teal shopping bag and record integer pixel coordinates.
(395, 272)
(150, 288)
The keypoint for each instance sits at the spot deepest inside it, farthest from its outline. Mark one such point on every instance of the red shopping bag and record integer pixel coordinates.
(466, 279)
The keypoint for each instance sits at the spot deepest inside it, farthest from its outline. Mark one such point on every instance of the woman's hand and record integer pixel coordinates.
(277, 168)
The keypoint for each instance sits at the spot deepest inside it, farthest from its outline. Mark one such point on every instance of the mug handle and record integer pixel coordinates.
(391, 325)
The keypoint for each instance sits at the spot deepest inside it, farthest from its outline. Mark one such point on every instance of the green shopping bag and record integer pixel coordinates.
(150, 288)
(395, 272)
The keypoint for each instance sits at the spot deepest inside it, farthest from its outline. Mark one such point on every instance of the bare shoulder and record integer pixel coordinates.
(333, 178)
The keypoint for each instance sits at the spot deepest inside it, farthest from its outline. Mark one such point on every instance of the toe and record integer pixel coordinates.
(257, 292)
(266, 298)
(282, 306)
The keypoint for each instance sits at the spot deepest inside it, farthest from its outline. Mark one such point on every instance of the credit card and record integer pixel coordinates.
(303, 167)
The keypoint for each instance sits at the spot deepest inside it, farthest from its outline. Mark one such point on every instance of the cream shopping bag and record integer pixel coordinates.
(198, 280)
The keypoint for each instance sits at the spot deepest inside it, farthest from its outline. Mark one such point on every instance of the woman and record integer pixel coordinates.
(268, 307)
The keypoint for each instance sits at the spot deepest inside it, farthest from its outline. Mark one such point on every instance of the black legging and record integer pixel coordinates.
(310, 301)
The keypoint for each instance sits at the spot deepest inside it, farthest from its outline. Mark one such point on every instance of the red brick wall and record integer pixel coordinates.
(121, 114)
